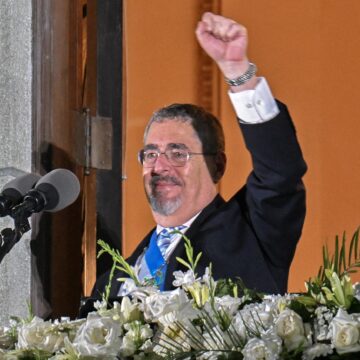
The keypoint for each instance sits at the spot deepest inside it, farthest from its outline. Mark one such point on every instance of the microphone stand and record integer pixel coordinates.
(9, 237)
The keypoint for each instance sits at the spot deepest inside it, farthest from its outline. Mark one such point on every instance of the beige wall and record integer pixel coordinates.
(309, 51)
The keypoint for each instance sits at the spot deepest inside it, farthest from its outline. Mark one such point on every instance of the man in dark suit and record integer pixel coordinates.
(254, 234)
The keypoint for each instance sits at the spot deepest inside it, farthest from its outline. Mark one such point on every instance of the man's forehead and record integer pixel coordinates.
(167, 146)
(171, 131)
(169, 123)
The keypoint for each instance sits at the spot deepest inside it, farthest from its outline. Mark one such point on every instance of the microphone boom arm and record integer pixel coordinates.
(9, 237)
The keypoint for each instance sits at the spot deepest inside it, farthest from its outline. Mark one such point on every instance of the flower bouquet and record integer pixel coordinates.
(205, 319)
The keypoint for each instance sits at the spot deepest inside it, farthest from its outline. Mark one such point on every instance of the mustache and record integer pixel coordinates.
(164, 178)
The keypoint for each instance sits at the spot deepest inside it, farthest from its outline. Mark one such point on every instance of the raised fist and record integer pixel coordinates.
(225, 41)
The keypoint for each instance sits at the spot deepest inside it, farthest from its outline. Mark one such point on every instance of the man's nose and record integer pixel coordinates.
(161, 163)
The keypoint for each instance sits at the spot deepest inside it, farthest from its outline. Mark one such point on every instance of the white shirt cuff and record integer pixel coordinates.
(255, 106)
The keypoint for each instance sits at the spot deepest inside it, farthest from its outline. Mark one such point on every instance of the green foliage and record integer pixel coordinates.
(355, 307)
(106, 295)
(340, 263)
(191, 263)
(300, 308)
(332, 286)
(118, 263)
(31, 354)
(291, 355)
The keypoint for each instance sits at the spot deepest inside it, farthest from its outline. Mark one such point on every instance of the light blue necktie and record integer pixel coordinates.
(166, 236)
(164, 240)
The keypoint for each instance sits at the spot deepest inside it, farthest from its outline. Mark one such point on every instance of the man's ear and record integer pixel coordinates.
(218, 167)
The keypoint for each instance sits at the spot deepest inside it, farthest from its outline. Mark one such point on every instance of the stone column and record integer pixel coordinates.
(15, 143)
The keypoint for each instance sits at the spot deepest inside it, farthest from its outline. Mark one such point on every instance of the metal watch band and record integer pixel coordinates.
(244, 78)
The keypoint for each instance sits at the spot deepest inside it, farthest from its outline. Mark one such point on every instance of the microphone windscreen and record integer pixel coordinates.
(60, 187)
(19, 186)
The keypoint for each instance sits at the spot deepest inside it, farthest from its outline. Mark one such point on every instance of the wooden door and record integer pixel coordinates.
(77, 66)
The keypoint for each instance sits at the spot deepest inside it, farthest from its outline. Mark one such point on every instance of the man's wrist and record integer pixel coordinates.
(234, 70)
(243, 78)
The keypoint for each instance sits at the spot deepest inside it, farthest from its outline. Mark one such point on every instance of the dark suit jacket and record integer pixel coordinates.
(254, 234)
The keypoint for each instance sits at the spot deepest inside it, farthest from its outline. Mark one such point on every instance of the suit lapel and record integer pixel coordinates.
(140, 248)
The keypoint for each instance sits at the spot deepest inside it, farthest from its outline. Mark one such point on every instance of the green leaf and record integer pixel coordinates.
(119, 262)
(342, 259)
(197, 259)
(108, 286)
(301, 307)
(329, 295)
(308, 301)
(189, 250)
(356, 240)
(336, 255)
(353, 250)
(182, 261)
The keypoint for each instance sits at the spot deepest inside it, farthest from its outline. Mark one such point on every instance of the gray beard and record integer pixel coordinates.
(159, 205)
(163, 207)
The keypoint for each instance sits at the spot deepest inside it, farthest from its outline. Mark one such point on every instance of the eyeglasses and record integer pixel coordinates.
(176, 157)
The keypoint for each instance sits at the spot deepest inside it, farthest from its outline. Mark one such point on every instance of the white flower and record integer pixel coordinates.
(100, 305)
(260, 349)
(128, 346)
(344, 332)
(128, 286)
(316, 350)
(141, 293)
(125, 312)
(255, 318)
(289, 326)
(40, 334)
(239, 326)
(159, 304)
(321, 323)
(228, 303)
(147, 346)
(183, 279)
(136, 336)
(184, 313)
(129, 310)
(207, 278)
(98, 336)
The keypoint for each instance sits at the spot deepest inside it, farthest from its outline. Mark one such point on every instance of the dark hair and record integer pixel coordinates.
(207, 127)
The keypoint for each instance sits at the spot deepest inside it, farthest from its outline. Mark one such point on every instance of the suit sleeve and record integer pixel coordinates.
(274, 193)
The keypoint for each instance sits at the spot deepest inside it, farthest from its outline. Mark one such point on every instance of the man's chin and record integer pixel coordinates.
(164, 207)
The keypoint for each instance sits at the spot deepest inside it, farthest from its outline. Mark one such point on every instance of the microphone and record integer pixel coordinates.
(13, 192)
(53, 192)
